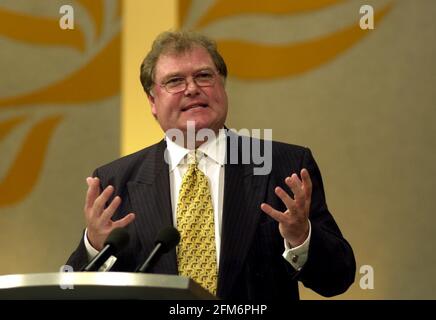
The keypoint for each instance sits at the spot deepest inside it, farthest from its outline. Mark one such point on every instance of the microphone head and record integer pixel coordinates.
(168, 237)
(117, 239)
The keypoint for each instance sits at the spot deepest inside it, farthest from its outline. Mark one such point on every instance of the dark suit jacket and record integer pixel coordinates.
(251, 264)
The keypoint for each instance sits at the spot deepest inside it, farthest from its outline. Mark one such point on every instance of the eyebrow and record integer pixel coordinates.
(179, 74)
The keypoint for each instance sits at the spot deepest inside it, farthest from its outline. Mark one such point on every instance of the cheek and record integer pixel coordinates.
(220, 99)
(166, 107)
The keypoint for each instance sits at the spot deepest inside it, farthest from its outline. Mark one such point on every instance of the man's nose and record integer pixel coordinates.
(191, 87)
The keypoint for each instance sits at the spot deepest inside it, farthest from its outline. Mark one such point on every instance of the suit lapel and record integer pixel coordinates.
(243, 193)
(151, 201)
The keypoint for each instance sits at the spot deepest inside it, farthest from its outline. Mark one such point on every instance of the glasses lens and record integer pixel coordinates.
(175, 85)
(205, 78)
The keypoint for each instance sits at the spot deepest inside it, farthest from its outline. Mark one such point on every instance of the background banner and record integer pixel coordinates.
(59, 119)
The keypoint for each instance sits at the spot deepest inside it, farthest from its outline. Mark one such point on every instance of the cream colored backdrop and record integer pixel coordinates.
(59, 119)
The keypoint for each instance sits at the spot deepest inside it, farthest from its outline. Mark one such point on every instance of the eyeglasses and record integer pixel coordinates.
(204, 78)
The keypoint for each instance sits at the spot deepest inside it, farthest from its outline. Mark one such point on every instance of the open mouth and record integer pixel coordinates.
(195, 106)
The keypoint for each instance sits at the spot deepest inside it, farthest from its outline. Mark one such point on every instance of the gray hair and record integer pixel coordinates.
(177, 42)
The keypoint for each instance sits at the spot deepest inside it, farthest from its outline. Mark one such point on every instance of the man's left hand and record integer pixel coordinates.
(294, 222)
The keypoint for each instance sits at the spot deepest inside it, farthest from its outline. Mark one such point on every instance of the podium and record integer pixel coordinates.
(100, 286)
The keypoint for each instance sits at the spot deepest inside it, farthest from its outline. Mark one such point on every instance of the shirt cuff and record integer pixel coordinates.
(297, 256)
(90, 250)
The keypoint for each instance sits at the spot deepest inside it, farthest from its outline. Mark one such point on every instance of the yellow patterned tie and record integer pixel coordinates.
(196, 253)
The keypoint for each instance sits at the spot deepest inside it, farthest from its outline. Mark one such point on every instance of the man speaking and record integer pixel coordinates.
(243, 234)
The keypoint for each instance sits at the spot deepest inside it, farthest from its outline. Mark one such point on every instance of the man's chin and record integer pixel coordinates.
(196, 125)
(187, 134)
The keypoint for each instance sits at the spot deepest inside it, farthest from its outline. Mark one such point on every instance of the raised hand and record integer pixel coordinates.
(294, 222)
(98, 218)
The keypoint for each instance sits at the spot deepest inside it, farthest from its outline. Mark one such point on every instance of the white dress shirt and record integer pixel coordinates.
(211, 159)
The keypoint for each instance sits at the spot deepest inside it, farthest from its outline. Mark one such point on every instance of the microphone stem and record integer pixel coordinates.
(99, 259)
(150, 259)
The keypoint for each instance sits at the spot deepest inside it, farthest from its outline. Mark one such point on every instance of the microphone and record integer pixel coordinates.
(166, 240)
(116, 240)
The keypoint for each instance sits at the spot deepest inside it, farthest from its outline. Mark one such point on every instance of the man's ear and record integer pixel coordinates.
(151, 100)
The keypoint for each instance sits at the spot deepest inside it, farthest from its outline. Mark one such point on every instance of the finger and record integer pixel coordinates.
(299, 195)
(273, 213)
(307, 183)
(294, 183)
(92, 193)
(284, 196)
(101, 200)
(110, 210)
(124, 221)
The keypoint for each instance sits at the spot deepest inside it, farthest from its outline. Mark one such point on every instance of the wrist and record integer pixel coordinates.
(299, 240)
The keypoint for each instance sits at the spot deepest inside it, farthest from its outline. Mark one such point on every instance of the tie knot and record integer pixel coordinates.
(193, 157)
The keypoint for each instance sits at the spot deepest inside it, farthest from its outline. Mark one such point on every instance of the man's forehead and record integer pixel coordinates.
(196, 58)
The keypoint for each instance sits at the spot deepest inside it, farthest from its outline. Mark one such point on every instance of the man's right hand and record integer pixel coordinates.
(98, 218)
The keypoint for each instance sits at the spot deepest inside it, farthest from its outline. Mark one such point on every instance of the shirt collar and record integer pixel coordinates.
(215, 149)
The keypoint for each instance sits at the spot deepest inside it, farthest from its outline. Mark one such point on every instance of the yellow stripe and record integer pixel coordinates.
(182, 10)
(95, 9)
(225, 8)
(8, 125)
(94, 81)
(39, 30)
(269, 61)
(25, 170)
(142, 21)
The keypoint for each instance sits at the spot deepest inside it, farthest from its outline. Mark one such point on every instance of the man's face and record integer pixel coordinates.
(206, 106)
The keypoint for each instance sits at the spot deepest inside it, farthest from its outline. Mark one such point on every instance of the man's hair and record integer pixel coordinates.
(177, 42)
